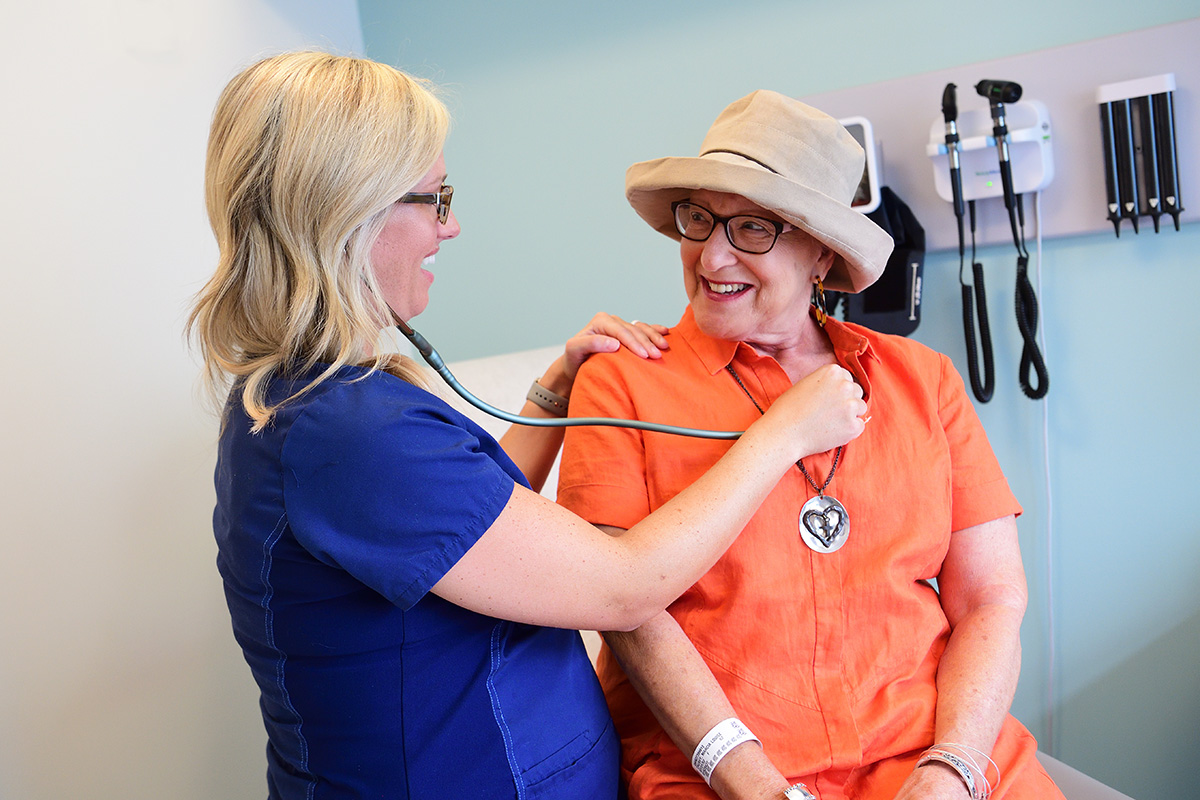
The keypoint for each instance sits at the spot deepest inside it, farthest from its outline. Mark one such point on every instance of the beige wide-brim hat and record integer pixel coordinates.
(787, 157)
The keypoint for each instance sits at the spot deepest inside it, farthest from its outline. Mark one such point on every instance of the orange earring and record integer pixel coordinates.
(819, 302)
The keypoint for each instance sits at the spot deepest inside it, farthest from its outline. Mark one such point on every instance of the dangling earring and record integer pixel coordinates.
(819, 302)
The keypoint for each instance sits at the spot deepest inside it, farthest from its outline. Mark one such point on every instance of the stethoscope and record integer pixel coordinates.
(434, 360)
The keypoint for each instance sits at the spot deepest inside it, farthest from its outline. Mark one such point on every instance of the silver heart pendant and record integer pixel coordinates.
(824, 524)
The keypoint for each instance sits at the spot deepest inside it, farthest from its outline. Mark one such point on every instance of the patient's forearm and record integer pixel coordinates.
(984, 595)
(678, 687)
(977, 676)
(534, 449)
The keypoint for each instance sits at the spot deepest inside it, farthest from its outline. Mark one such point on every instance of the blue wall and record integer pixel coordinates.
(553, 101)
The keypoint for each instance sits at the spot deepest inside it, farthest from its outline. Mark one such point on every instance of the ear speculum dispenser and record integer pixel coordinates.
(1141, 169)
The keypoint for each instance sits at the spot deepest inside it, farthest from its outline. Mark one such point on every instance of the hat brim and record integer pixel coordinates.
(861, 248)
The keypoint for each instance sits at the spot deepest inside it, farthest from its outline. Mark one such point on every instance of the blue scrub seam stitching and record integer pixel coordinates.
(269, 625)
(505, 733)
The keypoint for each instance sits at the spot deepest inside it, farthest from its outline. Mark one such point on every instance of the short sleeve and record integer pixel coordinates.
(390, 484)
(979, 490)
(602, 475)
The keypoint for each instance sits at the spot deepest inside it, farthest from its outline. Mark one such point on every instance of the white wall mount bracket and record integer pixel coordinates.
(1029, 146)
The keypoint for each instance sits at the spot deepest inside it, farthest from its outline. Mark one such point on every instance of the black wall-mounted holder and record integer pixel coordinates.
(1141, 168)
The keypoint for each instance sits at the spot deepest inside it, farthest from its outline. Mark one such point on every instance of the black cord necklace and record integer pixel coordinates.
(824, 523)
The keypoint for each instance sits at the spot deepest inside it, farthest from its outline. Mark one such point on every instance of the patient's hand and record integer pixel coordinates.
(933, 781)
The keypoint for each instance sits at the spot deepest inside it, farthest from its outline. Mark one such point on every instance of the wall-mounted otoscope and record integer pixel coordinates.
(434, 360)
(999, 91)
(997, 94)
(1032, 364)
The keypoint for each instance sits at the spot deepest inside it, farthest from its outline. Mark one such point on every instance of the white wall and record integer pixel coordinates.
(119, 677)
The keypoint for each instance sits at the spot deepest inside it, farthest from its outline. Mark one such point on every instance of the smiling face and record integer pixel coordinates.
(408, 242)
(762, 299)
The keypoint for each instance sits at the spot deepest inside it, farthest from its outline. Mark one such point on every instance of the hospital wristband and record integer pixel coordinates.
(542, 397)
(716, 744)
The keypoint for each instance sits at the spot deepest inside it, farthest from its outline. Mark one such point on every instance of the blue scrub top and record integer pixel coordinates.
(332, 525)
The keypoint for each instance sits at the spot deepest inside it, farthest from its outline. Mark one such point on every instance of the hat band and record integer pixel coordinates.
(740, 155)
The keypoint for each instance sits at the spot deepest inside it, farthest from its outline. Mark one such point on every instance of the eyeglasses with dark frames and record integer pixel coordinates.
(440, 198)
(748, 233)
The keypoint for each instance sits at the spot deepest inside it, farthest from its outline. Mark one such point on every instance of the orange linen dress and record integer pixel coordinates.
(830, 658)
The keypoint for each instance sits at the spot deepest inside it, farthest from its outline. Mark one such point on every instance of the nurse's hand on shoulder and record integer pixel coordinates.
(607, 333)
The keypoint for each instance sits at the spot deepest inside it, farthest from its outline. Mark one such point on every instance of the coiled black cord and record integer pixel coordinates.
(982, 388)
(1027, 313)
(1031, 354)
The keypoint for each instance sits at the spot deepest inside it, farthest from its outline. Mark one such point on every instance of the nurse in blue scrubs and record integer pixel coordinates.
(406, 601)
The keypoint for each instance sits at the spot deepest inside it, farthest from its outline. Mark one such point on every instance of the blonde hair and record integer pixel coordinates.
(306, 155)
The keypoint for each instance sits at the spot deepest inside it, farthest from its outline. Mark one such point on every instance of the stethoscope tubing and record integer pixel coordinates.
(435, 361)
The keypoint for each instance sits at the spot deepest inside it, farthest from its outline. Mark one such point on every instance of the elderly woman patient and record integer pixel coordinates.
(815, 658)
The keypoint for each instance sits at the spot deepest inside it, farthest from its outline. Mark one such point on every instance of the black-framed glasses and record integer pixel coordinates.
(745, 232)
(440, 198)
